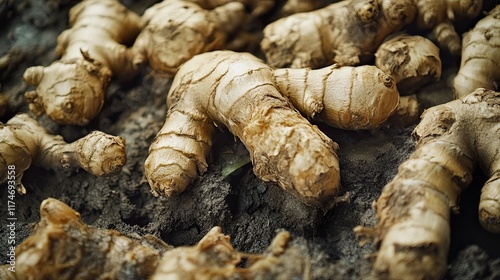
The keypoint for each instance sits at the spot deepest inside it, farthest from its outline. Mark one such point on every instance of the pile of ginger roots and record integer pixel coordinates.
(351, 64)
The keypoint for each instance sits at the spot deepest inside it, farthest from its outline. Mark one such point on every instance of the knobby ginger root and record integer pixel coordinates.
(412, 61)
(346, 97)
(215, 258)
(63, 247)
(176, 30)
(439, 16)
(480, 56)
(71, 90)
(347, 32)
(238, 91)
(25, 142)
(414, 208)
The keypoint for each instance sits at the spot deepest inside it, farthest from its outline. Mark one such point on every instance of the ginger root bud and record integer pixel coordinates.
(25, 142)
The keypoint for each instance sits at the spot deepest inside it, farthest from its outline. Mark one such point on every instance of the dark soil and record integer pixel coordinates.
(247, 209)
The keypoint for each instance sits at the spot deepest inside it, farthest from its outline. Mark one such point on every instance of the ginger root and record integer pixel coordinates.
(345, 97)
(63, 247)
(480, 56)
(176, 30)
(237, 91)
(72, 89)
(412, 61)
(347, 32)
(257, 7)
(25, 142)
(414, 208)
(439, 16)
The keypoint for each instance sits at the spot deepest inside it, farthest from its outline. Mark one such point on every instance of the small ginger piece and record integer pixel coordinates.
(176, 30)
(407, 113)
(63, 247)
(299, 6)
(414, 208)
(439, 16)
(25, 142)
(345, 97)
(412, 61)
(238, 91)
(346, 32)
(479, 67)
(72, 89)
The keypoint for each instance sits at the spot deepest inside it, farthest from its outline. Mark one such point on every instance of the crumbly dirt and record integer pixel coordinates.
(249, 210)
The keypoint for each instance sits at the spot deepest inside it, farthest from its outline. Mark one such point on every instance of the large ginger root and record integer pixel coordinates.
(412, 61)
(480, 57)
(63, 247)
(25, 142)
(71, 90)
(439, 16)
(346, 97)
(238, 91)
(414, 208)
(347, 32)
(176, 30)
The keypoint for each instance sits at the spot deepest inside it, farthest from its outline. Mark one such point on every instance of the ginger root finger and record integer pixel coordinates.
(71, 90)
(25, 142)
(238, 91)
(414, 208)
(345, 97)
(480, 56)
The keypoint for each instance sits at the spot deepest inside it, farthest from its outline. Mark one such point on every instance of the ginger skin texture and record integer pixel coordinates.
(177, 30)
(63, 247)
(439, 16)
(345, 97)
(257, 7)
(412, 61)
(480, 56)
(25, 142)
(414, 208)
(72, 89)
(346, 32)
(237, 90)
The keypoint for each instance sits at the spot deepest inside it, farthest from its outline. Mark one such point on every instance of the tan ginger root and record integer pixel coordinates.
(480, 57)
(215, 258)
(238, 91)
(25, 142)
(347, 32)
(176, 30)
(414, 208)
(439, 16)
(299, 6)
(257, 7)
(71, 90)
(63, 247)
(345, 97)
(412, 61)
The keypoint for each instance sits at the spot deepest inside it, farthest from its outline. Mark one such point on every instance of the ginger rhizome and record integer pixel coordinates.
(347, 32)
(176, 30)
(438, 16)
(345, 97)
(480, 56)
(215, 258)
(72, 89)
(414, 208)
(238, 91)
(64, 247)
(257, 7)
(25, 142)
(412, 61)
